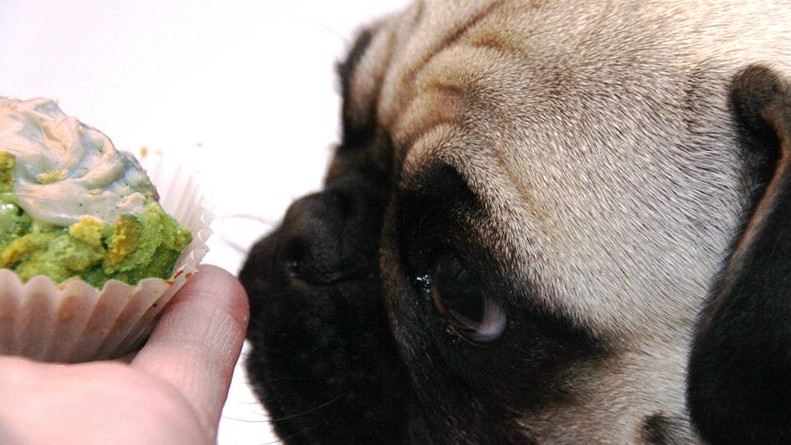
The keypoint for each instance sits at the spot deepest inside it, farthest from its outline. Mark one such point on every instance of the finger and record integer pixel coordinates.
(198, 341)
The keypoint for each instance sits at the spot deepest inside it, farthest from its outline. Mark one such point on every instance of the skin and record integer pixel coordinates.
(171, 392)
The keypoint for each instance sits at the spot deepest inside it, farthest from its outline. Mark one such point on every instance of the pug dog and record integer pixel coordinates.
(546, 222)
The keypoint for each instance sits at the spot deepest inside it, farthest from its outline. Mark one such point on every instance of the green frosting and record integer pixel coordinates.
(135, 246)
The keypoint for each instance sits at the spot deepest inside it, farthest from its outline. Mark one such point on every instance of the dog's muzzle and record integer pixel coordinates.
(322, 354)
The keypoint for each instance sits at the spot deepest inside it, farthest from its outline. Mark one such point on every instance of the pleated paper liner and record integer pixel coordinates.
(74, 322)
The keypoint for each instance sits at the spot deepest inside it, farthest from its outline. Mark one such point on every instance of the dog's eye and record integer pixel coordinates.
(457, 295)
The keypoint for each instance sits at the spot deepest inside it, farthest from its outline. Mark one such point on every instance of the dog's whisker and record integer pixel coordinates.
(309, 411)
(250, 421)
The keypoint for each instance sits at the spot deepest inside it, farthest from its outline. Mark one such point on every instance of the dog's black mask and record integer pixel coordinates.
(323, 360)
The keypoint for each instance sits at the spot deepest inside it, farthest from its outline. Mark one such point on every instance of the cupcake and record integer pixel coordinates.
(89, 255)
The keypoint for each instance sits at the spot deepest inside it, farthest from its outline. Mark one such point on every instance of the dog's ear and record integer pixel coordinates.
(739, 383)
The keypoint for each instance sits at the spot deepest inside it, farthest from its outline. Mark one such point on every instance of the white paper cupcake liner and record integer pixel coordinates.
(74, 322)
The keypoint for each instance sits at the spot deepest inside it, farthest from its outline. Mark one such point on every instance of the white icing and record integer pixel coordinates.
(66, 169)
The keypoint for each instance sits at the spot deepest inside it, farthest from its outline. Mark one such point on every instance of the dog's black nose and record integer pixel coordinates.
(313, 245)
(326, 246)
(325, 237)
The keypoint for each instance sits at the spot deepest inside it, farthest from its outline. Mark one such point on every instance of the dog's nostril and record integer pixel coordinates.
(317, 238)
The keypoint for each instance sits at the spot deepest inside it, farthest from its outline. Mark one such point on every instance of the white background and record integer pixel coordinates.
(241, 90)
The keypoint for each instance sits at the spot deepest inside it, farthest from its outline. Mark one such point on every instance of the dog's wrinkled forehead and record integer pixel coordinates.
(574, 149)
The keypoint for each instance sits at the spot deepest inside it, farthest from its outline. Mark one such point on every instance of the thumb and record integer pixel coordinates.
(198, 341)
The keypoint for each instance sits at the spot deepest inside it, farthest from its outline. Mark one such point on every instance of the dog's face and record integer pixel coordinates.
(547, 222)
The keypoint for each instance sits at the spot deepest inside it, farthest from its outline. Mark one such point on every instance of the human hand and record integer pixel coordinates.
(171, 392)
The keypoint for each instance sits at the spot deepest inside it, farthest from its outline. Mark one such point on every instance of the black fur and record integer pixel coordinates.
(740, 368)
(323, 360)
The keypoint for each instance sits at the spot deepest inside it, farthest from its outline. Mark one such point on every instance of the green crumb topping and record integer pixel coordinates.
(134, 247)
(7, 168)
